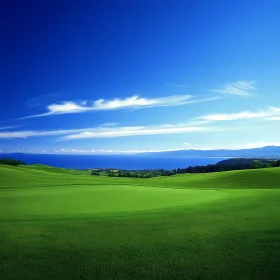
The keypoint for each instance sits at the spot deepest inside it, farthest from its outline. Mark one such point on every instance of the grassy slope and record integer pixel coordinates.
(60, 224)
(40, 176)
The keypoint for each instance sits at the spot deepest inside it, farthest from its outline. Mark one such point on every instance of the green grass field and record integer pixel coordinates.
(64, 224)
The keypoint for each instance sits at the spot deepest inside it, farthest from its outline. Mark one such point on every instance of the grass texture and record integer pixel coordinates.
(66, 224)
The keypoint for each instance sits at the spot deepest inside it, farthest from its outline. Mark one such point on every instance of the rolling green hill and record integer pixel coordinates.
(67, 224)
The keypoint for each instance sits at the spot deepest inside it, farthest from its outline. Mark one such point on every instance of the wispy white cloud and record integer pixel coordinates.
(240, 88)
(136, 131)
(271, 113)
(198, 147)
(30, 133)
(251, 145)
(134, 102)
(109, 124)
(276, 114)
(257, 144)
(108, 132)
(273, 118)
(9, 127)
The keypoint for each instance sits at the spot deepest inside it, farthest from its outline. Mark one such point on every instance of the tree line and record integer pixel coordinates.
(225, 165)
(147, 173)
(9, 161)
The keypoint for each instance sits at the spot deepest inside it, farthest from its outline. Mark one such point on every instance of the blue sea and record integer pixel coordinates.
(128, 162)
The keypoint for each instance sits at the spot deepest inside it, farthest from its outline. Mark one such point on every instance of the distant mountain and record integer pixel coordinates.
(265, 152)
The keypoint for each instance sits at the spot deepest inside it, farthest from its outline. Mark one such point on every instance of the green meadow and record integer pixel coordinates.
(64, 224)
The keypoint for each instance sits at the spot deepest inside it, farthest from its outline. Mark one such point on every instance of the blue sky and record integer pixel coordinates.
(130, 76)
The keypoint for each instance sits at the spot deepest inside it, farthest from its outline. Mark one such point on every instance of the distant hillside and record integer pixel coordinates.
(265, 152)
(247, 161)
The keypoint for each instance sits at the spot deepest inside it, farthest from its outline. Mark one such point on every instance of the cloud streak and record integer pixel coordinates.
(108, 132)
(133, 102)
(110, 124)
(31, 133)
(136, 131)
(257, 144)
(272, 113)
(9, 127)
(240, 88)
